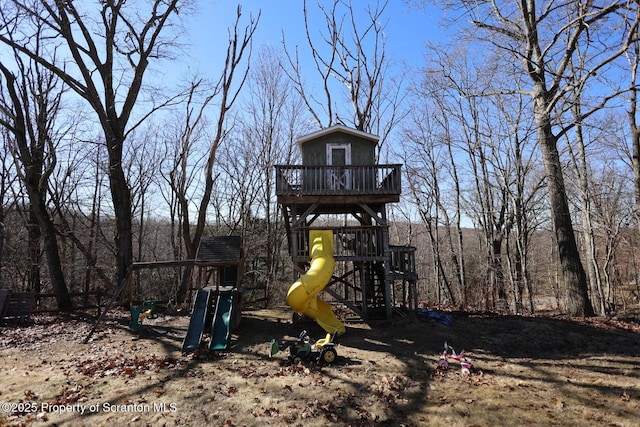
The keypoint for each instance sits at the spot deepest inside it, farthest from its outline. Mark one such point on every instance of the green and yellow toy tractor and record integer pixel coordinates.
(303, 350)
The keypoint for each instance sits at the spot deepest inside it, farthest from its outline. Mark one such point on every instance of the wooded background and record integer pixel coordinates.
(519, 142)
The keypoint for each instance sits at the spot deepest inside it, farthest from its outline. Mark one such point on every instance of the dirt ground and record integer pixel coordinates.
(528, 371)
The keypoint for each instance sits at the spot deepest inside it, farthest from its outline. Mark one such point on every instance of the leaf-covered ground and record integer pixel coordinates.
(528, 371)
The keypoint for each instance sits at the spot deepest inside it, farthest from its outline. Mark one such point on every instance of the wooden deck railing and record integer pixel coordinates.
(403, 260)
(359, 244)
(298, 180)
(353, 243)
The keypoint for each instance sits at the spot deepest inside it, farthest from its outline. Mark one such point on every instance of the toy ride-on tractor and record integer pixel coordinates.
(303, 350)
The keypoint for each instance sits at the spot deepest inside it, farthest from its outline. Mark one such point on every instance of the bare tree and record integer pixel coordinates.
(225, 93)
(476, 133)
(273, 117)
(424, 161)
(633, 58)
(350, 51)
(30, 114)
(8, 179)
(76, 193)
(584, 187)
(111, 45)
(543, 38)
(613, 213)
(143, 160)
(525, 192)
(485, 147)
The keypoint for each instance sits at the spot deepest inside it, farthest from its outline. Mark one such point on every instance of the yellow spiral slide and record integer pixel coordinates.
(302, 295)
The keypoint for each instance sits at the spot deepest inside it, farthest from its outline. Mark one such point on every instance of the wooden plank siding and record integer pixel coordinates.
(19, 305)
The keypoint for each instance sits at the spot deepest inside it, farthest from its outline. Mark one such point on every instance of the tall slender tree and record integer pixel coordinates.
(633, 58)
(109, 47)
(225, 93)
(29, 113)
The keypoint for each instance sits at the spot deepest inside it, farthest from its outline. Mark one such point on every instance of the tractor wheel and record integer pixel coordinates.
(328, 355)
(297, 360)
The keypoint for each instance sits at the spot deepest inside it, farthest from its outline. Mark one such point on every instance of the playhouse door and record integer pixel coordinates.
(339, 155)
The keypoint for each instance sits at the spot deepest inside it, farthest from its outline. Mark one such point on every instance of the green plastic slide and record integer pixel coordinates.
(221, 326)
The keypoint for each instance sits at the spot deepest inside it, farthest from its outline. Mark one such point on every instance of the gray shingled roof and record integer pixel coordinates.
(337, 128)
(220, 250)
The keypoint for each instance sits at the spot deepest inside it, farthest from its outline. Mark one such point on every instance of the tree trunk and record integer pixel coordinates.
(575, 279)
(34, 237)
(595, 279)
(121, 196)
(458, 253)
(593, 268)
(635, 140)
(54, 264)
(497, 269)
(42, 231)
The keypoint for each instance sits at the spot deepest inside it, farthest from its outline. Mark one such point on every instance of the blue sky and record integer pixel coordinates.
(407, 29)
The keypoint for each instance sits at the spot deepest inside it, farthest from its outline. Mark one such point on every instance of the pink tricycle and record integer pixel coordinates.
(466, 367)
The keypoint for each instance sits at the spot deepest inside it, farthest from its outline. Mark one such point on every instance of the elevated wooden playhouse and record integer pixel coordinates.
(339, 187)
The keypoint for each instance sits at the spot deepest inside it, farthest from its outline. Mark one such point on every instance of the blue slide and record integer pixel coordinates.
(198, 319)
(221, 325)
